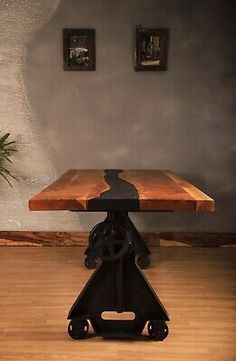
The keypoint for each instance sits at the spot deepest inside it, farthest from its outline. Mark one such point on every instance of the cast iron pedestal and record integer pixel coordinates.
(117, 284)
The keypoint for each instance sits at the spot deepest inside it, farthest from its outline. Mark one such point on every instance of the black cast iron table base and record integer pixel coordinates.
(117, 285)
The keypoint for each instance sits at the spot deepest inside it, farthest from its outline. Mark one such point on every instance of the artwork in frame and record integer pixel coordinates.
(151, 49)
(79, 49)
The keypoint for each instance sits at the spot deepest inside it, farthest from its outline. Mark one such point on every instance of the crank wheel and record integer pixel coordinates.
(112, 242)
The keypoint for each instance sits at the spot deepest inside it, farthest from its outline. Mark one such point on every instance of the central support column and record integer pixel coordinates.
(113, 223)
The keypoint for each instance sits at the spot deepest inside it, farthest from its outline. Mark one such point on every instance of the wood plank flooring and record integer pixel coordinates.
(196, 285)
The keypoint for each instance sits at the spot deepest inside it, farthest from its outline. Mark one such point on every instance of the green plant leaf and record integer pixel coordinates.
(6, 158)
(6, 150)
(12, 142)
(4, 137)
(5, 177)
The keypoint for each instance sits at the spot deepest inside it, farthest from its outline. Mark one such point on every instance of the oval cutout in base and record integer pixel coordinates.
(112, 315)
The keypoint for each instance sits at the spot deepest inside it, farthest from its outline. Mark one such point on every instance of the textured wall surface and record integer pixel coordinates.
(19, 22)
(182, 119)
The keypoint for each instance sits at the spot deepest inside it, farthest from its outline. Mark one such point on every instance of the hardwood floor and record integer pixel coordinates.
(196, 285)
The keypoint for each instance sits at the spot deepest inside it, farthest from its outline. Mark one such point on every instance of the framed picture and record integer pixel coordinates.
(79, 49)
(151, 49)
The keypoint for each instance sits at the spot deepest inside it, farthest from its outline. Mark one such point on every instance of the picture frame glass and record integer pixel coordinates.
(79, 49)
(151, 49)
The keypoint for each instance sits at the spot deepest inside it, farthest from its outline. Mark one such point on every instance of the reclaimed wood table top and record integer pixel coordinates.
(116, 189)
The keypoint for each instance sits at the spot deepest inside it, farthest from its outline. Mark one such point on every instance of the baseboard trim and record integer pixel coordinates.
(154, 239)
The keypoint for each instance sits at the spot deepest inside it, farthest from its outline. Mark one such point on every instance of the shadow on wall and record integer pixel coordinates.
(182, 119)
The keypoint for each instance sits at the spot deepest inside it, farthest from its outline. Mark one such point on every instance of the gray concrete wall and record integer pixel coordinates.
(182, 119)
(33, 164)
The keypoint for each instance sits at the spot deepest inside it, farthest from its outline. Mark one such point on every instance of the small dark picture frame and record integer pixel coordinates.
(79, 49)
(151, 49)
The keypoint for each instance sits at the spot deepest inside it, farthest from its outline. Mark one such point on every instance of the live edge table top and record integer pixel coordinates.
(121, 190)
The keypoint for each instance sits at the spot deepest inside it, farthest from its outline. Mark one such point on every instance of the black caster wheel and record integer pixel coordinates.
(78, 328)
(157, 330)
(143, 261)
(90, 262)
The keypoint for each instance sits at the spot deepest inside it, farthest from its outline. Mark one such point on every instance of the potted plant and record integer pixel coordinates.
(6, 150)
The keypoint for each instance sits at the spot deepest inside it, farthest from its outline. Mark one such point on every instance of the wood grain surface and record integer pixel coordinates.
(38, 286)
(131, 190)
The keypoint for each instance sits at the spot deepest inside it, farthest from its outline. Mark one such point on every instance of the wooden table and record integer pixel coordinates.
(115, 247)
